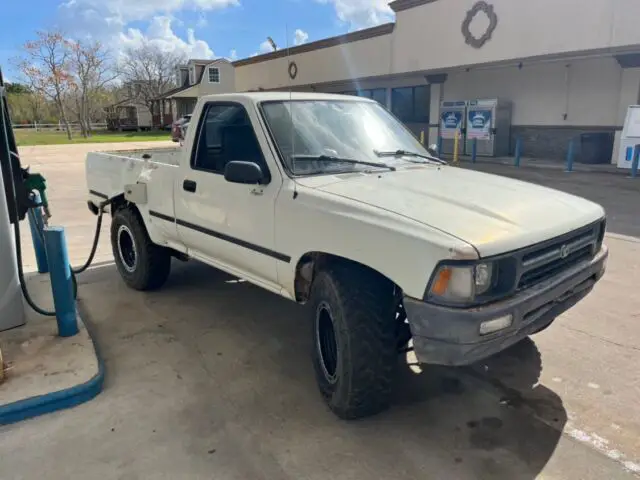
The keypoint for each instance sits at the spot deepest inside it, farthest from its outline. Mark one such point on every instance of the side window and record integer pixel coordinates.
(226, 134)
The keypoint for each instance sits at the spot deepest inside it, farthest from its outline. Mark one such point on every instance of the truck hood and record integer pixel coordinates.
(494, 214)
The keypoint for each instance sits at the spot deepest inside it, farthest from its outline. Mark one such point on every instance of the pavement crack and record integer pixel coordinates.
(611, 342)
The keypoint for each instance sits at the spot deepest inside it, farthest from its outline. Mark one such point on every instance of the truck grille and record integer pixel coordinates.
(545, 261)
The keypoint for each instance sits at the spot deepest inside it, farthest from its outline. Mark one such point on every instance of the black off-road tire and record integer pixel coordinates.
(150, 265)
(360, 306)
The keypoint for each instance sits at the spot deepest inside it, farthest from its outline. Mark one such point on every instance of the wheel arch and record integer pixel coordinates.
(310, 263)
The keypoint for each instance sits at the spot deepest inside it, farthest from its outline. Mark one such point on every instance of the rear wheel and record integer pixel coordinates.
(142, 264)
(354, 340)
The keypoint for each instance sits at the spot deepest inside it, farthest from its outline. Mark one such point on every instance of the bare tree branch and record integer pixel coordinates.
(46, 66)
(150, 71)
(93, 70)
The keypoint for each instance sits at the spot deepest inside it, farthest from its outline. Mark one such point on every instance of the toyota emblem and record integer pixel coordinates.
(564, 251)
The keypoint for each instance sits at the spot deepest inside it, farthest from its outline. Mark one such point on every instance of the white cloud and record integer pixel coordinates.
(125, 11)
(107, 20)
(265, 47)
(233, 55)
(300, 37)
(361, 13)
(160, 34)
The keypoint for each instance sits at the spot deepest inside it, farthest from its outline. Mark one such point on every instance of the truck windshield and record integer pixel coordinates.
(348, 129)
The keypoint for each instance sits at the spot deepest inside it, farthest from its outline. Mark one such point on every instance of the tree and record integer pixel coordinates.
(17, 88)
(150, 72)
(91, 66)
(47, 67)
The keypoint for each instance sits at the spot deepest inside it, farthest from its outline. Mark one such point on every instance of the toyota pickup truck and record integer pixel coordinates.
(329, 201)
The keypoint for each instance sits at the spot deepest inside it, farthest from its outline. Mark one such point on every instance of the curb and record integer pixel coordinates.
(59, 400)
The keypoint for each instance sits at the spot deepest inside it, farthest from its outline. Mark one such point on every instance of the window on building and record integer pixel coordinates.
(226, 135)
(377, 94)
(214, 75)
(411, 104)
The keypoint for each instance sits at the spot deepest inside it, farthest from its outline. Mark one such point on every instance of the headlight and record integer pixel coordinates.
(462, 284)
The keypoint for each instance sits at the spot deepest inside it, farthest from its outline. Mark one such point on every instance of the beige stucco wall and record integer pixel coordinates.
(588, 91)
(429, 36)
(364, 58)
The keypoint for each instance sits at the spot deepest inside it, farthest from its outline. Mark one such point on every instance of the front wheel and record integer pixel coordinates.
(142, 264)
(354, 337)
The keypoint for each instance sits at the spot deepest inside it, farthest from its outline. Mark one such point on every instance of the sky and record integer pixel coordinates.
(232, 29)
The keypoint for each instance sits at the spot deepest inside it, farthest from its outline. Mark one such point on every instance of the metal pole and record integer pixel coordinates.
(61, 282)
(439, 143)
(36, 224)
(518, 152)
(456, 146)
(634, 163)
(570, 157)
(474, 150)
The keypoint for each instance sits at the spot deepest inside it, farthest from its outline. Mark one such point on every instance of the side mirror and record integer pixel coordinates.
(433, 150)
(243, 172)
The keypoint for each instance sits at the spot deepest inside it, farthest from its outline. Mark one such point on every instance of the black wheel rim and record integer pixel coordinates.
(326, 343)
(127, 248)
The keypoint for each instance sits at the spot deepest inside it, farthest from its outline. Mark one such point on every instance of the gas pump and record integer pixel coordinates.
(19, 185)
(11, 306)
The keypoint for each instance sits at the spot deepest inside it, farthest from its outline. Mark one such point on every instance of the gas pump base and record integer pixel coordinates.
(46, 372)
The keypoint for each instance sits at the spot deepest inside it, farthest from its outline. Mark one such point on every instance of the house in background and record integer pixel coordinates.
(130, 113)
(195, 79)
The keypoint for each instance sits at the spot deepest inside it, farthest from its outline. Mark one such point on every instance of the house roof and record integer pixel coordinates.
(384, 29)
(173, 91)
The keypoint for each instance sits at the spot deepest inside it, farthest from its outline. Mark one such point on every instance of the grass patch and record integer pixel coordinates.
(52, 137)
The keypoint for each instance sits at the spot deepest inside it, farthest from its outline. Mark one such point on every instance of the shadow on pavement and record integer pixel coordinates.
(255, 349)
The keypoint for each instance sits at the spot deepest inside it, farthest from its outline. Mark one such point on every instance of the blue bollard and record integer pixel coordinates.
(518, 152)
(570, 157)
(634, 163)
(474, 150)
(439, 144)
(61, 282)
(36, 225)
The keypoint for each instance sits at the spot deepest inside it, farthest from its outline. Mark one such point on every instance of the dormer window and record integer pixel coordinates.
(214, 75)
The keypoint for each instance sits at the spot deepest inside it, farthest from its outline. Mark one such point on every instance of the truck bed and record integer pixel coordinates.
(108, 172)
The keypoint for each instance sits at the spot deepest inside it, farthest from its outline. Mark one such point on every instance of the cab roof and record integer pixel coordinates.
(282, 96)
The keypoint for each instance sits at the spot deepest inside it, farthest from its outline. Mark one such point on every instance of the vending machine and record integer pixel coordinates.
(630, 137)
(452, 120)
(488, 121)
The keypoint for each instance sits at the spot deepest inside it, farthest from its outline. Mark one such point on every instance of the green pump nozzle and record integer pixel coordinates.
(35, 181)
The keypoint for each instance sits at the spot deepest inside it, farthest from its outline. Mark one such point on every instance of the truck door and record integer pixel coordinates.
(229, 225)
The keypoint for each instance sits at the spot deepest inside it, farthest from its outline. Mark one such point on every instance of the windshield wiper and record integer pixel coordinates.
(332, 159)
(406, 153)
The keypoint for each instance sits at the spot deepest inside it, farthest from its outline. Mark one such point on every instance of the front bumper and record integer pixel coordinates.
(451, 336)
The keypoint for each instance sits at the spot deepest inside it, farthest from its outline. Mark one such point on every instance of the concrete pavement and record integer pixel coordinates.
(211, 377)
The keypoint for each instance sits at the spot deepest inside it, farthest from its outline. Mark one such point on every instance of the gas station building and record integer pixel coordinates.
(546, 71)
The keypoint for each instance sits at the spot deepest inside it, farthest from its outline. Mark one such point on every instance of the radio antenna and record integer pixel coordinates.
(292, 71)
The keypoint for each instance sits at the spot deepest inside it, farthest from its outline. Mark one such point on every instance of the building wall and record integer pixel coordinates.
(582, 92)
(227, 80)
(552, 102)
(364, 58)
(429, 36)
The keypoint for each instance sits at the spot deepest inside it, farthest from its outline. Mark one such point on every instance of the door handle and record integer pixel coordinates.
(257, 191)
(189, 186)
